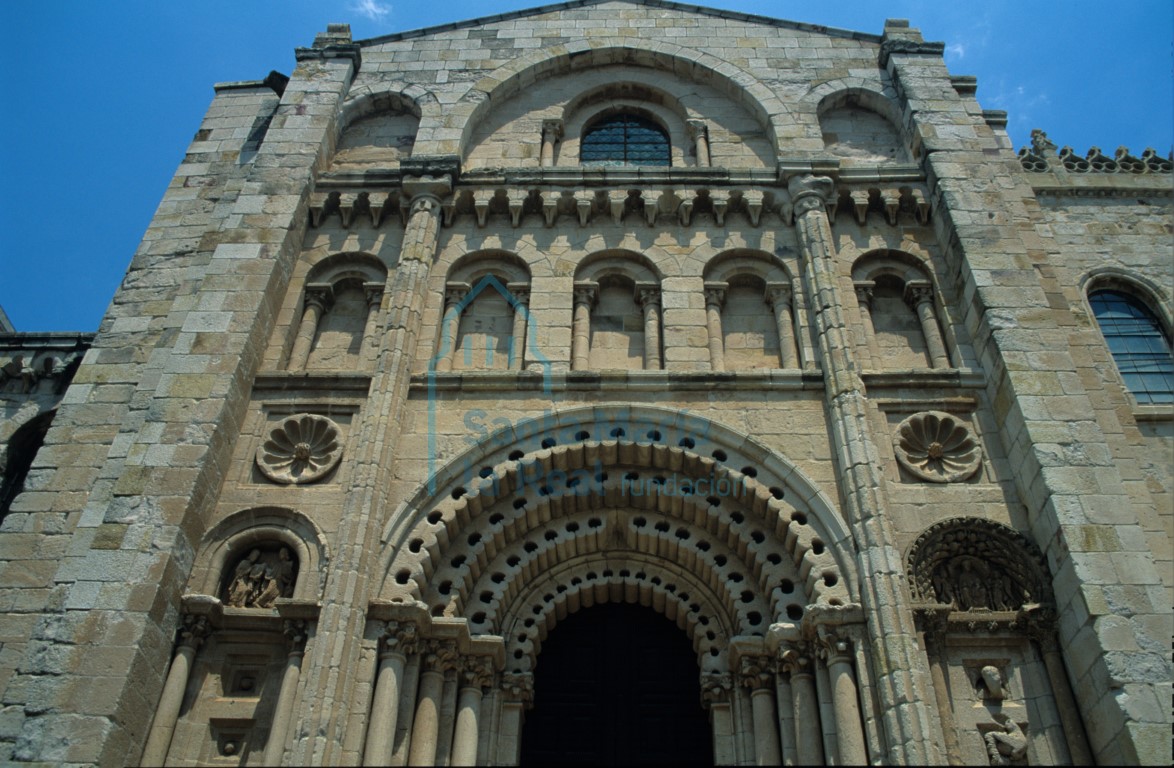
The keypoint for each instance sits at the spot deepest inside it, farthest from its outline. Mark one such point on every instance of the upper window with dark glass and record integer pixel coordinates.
(1139, 346)
(625, 139)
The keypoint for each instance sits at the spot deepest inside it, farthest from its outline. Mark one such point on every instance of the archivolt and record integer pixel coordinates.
(515, 544)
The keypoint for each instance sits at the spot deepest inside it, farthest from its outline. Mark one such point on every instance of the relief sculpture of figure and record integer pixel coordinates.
(992, 681)
(1008, 746)
(241, 588)
(277, 580)
(972, 592)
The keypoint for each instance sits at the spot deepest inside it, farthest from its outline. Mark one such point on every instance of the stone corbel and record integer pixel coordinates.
(754, 199)
(322, 204)
(720, 199)
(584, 202)
(891, 199)
(920, 206)
(685, 211)
(516, 199)
(481, 200)
(377, 203)
(549, 206)
(860, 201)
(617, 201)
(651, 206)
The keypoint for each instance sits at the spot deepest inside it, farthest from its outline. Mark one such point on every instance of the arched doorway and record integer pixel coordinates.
(617, 684)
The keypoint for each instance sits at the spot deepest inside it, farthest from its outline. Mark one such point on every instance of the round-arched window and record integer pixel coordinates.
(1139, 346)
(625, 139)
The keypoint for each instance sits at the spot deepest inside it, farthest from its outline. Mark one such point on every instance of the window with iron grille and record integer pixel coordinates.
(625, 139)
(1138, 344)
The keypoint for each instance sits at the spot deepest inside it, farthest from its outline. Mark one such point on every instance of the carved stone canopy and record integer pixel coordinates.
(972, 564)
(301, 449)
(264, 573)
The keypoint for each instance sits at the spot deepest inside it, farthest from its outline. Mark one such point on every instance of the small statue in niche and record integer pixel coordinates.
(990, 683)
(972, 584)
(1008, 745)
(260, 578)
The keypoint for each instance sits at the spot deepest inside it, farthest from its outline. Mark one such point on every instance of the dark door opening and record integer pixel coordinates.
(617, 684)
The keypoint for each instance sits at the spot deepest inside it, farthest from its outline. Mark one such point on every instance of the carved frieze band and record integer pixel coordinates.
(521, 205)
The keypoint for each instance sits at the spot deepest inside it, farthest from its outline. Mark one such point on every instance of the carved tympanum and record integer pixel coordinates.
(972, 564)
(259, 578)
(937, 447)
(301, 449)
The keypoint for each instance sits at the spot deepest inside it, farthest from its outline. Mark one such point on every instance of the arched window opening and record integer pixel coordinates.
(1140, 348)
(748, 325)
(22, 449)
(483, 337)
(899, 338)
(625, 139)
(617, 327)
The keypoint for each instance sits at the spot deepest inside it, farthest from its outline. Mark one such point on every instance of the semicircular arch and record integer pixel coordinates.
(514, 76)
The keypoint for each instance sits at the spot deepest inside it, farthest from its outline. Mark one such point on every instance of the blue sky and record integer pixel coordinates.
(101, 99)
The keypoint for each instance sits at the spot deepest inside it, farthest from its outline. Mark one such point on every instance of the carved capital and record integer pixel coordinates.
(864, 289)
(778, 295)
(715, 688)
(424, 193)
(476, 672)
(586, 294)
(552, 130)
(518, 687)
(794, 659)
(296, 631)
(320, 295)
(697, 129)
(455, 293)
(648, 296)
(192, 632)
(440, 656)
(520, 292)
(810, 193)
(918, 292)
(835, 645)
(400, 638)
(755, 672)
(374, 293)
(715, 294)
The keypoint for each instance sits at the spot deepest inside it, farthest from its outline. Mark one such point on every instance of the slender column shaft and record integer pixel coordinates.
(275, 747)
(308, 329)
(551, 131)
(517, 693)
(864, 299)
(700, 133)
(715, 297)
(849, 733)
(371, 329)
(384, 710)
(581, 329)
(518, 336)
(779, 298)
(650, 304)
(464, 739)
(933, 649)
(808, 735)
(786, 707)
(426, 725)
(450, 326)
(920, 297)
(902, 693)
(191, 635)
(766, 733)
(1078, 749)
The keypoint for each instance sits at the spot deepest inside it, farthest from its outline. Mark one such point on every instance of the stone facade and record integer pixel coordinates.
(396, 382)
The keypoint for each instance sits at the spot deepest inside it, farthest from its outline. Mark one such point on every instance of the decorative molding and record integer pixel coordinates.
(938, 447)
(301, 449)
